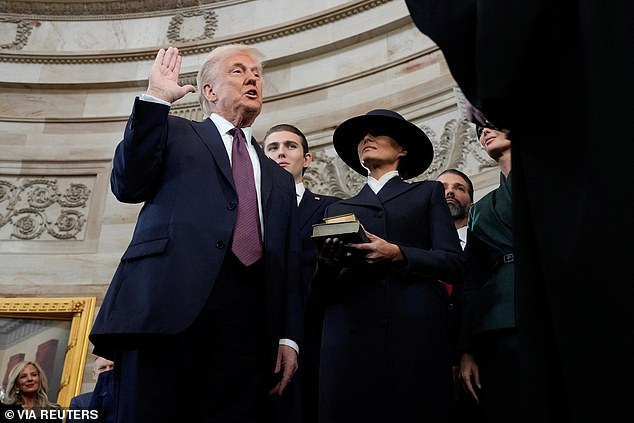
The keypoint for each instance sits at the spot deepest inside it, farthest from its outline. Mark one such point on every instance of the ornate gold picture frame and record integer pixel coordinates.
(66, 318)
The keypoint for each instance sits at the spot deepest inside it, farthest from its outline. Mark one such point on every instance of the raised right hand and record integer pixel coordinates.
(163, 80)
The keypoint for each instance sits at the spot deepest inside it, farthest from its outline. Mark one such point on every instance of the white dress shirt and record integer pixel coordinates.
(462, 234)
(300, 189)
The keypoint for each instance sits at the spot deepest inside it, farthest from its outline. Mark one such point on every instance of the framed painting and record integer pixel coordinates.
(51, 331)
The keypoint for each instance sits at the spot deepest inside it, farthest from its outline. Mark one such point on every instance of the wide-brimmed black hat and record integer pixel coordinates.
(420, 151)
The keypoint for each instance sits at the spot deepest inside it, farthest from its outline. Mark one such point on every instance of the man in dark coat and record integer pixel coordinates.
(83, 401)
(558, 75)
(287, 146)
(102, 400)
(459, 194)
(209, 286)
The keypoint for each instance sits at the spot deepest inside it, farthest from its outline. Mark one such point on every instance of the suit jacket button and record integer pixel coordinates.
(232, 205)
(379, 214)
(220, 244)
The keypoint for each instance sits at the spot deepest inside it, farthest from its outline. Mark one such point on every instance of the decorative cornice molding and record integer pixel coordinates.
(199, 47)
(102, 10)
(192, 110)
(64, 120)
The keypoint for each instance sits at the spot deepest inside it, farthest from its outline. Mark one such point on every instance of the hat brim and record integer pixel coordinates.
(420, 151)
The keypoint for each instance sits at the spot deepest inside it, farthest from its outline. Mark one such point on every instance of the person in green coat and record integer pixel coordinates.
(488, 342)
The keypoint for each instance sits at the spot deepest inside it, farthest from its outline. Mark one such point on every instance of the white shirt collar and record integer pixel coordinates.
(224, 126)
(377, 185)
(462, 234)
(300, 189)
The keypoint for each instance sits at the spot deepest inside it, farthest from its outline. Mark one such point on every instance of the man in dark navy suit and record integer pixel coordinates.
(287, 145)
(205, 304)
(83, 401)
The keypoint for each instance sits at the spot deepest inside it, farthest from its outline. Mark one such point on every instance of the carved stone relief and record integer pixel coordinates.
(48, 207)
(456, 147)
(187, 22)
(23, 31)
(329, 175)
(43, 208)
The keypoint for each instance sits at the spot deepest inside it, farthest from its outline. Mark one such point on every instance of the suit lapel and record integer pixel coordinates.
(266, 180)
(393, 188)
(309, 205)
(366, 198)
(212, 139)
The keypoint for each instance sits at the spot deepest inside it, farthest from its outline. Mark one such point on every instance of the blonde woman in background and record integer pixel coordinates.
(27, 389)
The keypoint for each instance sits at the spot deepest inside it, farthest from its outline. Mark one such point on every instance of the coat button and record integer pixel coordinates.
(232, 205)
(220, 244)
(379, 214)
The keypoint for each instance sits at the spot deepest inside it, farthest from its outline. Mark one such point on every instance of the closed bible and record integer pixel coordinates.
(345, 228)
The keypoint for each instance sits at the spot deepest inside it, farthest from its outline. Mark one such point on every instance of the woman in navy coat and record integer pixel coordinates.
(385, 354)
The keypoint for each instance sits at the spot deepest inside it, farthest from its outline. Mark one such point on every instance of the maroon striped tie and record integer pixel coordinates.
(247, 241)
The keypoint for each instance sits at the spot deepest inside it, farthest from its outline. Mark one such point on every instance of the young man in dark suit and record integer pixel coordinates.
(210, 281)
(287, 145)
